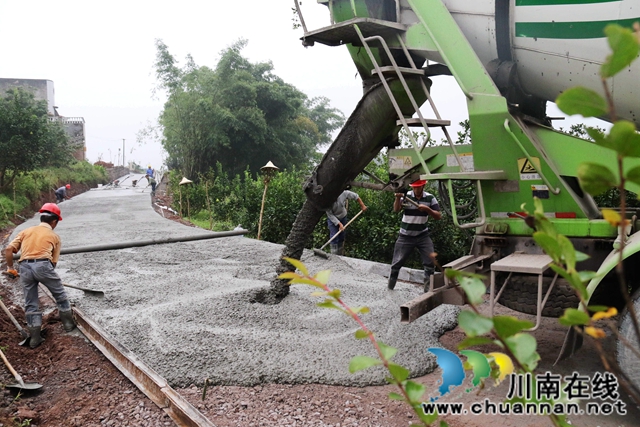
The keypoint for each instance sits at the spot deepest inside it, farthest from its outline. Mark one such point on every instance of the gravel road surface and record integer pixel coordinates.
(186, 310)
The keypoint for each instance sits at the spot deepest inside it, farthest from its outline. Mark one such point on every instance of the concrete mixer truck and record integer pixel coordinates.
(509, 57)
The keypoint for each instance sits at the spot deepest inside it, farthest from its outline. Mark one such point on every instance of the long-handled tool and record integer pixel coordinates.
(25, 334)
(21, 384)
(416, 204)
(95, 292)
(323, 254)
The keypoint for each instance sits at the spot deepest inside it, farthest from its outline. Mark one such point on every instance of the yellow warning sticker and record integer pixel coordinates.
(528, 171)
(400, 162)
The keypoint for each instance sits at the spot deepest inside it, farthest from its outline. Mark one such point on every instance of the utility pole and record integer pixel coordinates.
(123, 164)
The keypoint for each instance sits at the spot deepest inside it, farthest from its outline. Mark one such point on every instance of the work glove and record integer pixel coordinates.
(11, 272)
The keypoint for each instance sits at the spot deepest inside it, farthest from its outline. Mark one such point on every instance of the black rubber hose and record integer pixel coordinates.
(136, 244)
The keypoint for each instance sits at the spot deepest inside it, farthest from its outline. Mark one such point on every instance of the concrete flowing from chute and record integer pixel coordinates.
(186, 308)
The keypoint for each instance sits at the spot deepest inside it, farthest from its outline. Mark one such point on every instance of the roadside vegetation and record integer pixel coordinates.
(36, 158)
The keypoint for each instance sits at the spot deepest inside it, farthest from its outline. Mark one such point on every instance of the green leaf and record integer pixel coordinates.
(595, 178)
(319, 294)
(289, 275)
(474, 288)
(587, 276)
(298, 265)
(624, 139)
(427, 419)
(414, 390)
(580, 100)
(458, 274)
(443, 424)
(597, 135)
(330, 304)
(305, 281)
(633, 175)
(523, 346)
(573, 316)
(507, 326)
(568, 252)
(359, 363)
(361, 334)
(361, 310)
(625, 49)
(581, 256)
(578, 285)
(597, 308)
(561, 420)
(334, 293)
(538, 208)
(473, 341)
(323, 276)
(548, 244)
(396, 396)
(400, 373)
(387, 351)
(473, 324)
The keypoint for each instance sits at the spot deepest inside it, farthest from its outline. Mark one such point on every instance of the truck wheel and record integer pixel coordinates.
(628, 361)
(521, 294)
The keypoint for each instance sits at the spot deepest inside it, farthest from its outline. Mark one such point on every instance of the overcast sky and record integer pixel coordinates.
(100, 57)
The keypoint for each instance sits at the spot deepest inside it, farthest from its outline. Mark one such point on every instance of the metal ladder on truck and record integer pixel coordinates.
(364, 32)
(444, 37)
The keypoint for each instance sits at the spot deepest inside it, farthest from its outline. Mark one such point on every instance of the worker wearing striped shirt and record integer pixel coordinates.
(418, 207)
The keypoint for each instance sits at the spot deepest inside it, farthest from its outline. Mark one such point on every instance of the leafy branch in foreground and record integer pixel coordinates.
(409, 391)
(596, 178)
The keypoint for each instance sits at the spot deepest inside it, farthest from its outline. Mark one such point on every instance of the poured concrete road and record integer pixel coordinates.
(185, 309)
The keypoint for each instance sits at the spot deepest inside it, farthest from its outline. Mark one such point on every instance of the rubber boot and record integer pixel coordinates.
(427, 278)
(393, 278)
(340, 249)
(334, 249)
(34, 324)
(67, 320)
(34, 336)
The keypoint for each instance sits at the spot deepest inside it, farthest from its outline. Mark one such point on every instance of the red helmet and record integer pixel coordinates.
(51, 208)
(68, 186)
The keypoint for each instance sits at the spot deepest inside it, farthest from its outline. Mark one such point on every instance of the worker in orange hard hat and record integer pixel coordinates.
(61, 193)
(418, 206)
(39, 248)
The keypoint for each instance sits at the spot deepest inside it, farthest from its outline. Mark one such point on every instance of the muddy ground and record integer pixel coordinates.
(81, 388)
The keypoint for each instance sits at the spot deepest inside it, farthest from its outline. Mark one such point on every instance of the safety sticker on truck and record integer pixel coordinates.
(465, 158)
(540, 191)
(528, 171)
(400, 162)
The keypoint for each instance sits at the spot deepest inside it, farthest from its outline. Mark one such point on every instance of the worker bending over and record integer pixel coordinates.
(337, 219)
(39, 248)
(418, 207)
(61, 193)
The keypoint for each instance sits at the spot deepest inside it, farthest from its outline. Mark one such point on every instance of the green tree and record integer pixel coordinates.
(239, 114)
(28, 139)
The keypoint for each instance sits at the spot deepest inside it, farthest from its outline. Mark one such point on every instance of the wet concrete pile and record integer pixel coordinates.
(187, 309)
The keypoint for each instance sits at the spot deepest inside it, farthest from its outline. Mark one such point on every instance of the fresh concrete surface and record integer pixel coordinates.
(185, 309)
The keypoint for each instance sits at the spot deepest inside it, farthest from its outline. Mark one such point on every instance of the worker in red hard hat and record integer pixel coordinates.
(39, 248)
(61, 193)
(418, 206)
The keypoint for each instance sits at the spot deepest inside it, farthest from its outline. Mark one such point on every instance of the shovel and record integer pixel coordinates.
(25, 334)
(95, 292)
(323, 254)
(21, 384)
